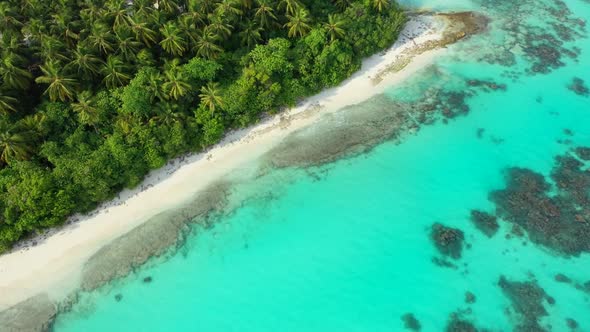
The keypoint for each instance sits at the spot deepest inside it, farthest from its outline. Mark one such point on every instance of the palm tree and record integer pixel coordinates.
(264, 13)
(65, 27)
(188, 28)
(206, 45)
(126, 122)
(168, 6)
(219, 26)
(11, 43)
(142, 9)
(114, 71)
(246, 4)
(13, 76)
(145, 58)
(381, 5)
(298, 24)
(158, 18)
(92, 13)
(172, 42)
(250, 35)
(119, 14)
(143, 32)
(86, 109)
(8, 18)
(84, 62)
(101, 38)
(204, 6)
(60, 87)
(167, 115)
(155, 83)
(31, 8)
(228, 8)
(7, 104)
(290, 6)
(14, 143)
(176, 86)
(335, 27)
(210, 97)
(342, 4)
(52, 49)
(193, 17)
(128, 46)
(33, 124)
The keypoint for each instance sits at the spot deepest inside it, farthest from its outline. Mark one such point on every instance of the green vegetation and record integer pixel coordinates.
(95, 93)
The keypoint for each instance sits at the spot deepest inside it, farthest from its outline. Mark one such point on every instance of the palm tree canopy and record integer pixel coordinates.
(86, 108)
(7, 104)
(210, 96)
(60, 87)
(15, 144)
(85, 62)
(207, 45)
(172, 41)
(298, 24)
(290, 6)
(114, 71)
(335, 27)
(264, 13)
(381, 5)
(176, 85)
(13, 75)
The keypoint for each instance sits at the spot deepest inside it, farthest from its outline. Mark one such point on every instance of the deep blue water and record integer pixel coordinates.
(346, 246)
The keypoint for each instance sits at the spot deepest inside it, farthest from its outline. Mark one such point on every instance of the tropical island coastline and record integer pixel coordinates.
(57, 257)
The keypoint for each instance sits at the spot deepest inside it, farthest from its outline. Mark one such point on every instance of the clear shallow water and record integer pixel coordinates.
(346, 247)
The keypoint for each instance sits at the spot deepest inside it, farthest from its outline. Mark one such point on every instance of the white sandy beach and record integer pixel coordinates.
(54, 263)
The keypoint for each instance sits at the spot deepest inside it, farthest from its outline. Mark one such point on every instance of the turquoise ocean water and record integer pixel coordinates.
(346, 246)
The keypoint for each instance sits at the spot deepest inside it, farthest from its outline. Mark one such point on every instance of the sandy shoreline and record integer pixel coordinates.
(53, 263)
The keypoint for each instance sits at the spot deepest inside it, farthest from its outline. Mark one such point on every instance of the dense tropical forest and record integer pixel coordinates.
(95, 93)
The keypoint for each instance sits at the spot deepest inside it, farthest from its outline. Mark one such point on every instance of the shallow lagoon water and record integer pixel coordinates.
(346, 246)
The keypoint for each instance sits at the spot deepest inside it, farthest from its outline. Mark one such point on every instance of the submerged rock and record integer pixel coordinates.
(479, 132)
(583, 153)
(562, 278)
(527, 302)
(485, 222)
(571, 323)
(486, 85)
(585, 287)
(457, 324)
(147, 280)
(470, 297)
(34, 314)
(448, 240)
(444, 263)
(411, 323)
(118, 297)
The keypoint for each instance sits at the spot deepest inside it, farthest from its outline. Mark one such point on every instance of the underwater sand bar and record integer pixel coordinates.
(55, 265)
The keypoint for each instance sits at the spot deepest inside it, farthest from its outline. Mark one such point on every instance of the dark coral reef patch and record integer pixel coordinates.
(411, 323)
(578, 86)
(557, 218)
(458, 324)
(545, 46)
(448, 240)
(527, 299)
(485, 222)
